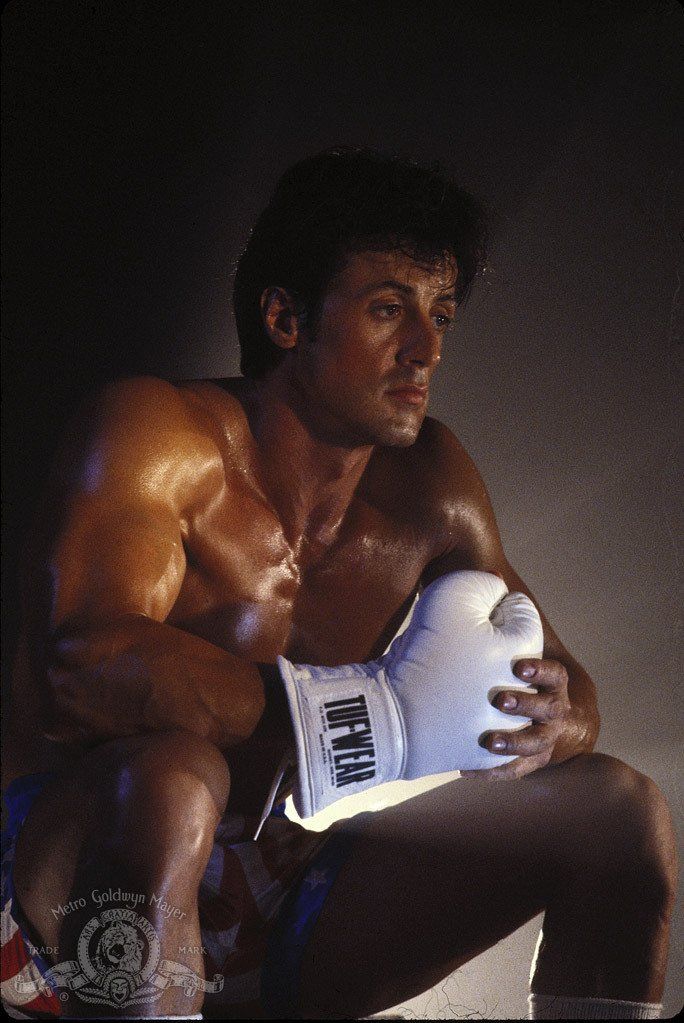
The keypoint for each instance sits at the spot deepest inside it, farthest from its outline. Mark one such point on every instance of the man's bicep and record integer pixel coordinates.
(114, 557)
(109, 536)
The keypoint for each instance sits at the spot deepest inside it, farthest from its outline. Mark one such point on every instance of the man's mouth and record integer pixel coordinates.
(409, 394)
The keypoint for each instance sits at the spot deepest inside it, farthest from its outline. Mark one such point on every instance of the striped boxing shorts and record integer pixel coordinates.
(258, 902)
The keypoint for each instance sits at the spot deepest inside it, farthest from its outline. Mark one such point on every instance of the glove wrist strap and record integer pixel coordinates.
(348, 731)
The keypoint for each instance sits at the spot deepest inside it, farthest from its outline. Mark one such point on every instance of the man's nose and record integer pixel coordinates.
(422, 345)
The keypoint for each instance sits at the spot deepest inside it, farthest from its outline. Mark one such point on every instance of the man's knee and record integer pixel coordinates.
(164, 795)
(633, 824)
(154, 758)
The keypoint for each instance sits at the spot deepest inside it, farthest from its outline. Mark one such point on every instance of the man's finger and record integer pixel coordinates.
(551, 675)
(524, 743)
(540, 707)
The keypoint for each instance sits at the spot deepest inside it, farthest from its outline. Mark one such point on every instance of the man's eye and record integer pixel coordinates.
(443, 321)
(389, 310)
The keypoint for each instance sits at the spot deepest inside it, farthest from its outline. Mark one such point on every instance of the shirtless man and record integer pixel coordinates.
(194, 533)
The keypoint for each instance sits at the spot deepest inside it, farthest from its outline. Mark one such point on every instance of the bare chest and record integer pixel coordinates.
(249, 591)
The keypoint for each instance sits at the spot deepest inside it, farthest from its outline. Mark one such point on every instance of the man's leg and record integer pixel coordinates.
(434, 881)
(138, 815)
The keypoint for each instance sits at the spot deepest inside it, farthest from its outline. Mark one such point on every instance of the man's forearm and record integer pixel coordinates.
(137, 675)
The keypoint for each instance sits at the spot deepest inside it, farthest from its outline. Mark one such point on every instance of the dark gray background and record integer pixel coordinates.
(141, 139)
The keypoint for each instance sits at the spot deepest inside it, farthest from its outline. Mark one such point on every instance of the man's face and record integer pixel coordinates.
(365, 368)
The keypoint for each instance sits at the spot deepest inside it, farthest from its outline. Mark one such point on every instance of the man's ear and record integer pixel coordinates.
(282, 317)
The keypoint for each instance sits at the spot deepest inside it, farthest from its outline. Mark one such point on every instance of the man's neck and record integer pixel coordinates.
(309, 481)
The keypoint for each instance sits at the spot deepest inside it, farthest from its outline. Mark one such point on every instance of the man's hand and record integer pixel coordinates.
(419, 710)
(549, 710)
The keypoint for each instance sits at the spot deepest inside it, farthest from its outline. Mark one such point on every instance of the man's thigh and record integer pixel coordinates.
(436, 880)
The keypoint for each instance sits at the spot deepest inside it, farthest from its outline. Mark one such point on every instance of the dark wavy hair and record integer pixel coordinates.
(349, 200)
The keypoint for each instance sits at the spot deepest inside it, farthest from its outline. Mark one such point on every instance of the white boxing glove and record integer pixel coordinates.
(422, 706)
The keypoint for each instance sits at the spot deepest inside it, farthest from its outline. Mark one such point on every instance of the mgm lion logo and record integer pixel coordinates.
(119, 953)
(119, 963)
(119, 949)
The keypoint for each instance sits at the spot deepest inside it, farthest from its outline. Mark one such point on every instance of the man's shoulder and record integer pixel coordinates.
(439, 465)
(161, 403)
(440, 443)
(442, 492)
(138, 430)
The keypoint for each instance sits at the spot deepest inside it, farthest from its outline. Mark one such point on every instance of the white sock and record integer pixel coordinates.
(568, 1007)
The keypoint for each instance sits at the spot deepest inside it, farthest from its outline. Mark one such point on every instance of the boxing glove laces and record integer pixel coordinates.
(421, 707)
